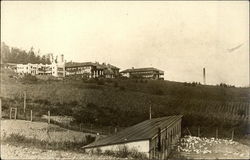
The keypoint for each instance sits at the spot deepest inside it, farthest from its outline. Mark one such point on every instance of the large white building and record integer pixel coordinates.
(56, 68)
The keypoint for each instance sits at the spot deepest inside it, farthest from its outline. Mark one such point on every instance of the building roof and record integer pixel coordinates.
(78, 64)
(96, 64)
(142, 70)
(145, 130)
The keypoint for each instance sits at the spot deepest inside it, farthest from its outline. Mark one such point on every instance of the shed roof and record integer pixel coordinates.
(141, 131)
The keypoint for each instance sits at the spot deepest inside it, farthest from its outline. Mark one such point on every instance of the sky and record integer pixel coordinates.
(178, 37)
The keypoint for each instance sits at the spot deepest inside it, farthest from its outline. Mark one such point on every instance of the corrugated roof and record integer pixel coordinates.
(142, 70)
(142, 131)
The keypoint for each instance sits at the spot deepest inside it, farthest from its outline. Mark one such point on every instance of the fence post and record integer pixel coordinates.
(31, 115)
(199, 131)
(24, 104)
(15, 113)
(216, 134)
(10, 111)
(49, 117)
(91, 128)
(233, 134)
(189, 132)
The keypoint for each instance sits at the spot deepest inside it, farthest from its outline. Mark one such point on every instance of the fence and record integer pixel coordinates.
(30, 115)
(228, 133)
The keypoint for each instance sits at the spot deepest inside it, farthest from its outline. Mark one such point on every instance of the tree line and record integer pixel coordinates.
(20, 56)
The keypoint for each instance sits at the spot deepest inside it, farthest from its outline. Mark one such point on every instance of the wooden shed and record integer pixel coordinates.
(155, 138)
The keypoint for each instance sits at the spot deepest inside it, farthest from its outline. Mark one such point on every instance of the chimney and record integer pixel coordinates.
(62, 58)
(51, 58)
(204, 76)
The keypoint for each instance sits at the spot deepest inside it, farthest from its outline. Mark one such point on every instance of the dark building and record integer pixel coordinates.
(91, 70)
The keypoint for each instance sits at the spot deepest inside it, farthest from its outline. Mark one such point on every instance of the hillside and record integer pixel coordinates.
(112, 102)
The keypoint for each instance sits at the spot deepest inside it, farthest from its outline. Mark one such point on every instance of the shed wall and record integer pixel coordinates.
(169, 138)
(140, 146)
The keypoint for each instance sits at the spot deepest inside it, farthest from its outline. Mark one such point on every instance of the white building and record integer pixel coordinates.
(57, 68)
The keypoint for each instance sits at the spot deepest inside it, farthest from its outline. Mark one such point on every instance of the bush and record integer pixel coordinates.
(15, 138)
(29, 78)
(137, 155)
(109, 153)
(100, 82)
(89, 139)
(122, 152)
(65, 145)
(116, 84)
(122, 88)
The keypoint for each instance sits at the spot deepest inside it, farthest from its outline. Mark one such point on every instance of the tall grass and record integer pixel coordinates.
(18, 139)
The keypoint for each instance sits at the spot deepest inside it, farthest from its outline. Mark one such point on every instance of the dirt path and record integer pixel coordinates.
(9, 152)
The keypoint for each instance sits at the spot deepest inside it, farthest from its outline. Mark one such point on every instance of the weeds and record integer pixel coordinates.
(45, 144)
(124, 152)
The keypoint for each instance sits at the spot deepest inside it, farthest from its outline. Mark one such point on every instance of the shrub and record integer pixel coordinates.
(122, 88)
(89, 139)
(116, 84)
(29, 78)
(122, 152)
(98, 151)
(100, 82)
(109, 153)
(137, 155)
(15, 138)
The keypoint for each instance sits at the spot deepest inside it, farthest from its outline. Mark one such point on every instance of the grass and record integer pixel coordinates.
(111, 102)
(17, 139)
(122, 152)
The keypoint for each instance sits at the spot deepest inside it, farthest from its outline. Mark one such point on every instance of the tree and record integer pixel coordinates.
(16, 55)
(5, 52)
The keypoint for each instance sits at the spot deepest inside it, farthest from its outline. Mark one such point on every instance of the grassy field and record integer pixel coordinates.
(105, 104)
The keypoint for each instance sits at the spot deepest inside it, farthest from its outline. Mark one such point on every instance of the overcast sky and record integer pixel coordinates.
(178, 37)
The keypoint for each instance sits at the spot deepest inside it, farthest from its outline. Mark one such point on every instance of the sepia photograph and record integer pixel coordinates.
(127, 80)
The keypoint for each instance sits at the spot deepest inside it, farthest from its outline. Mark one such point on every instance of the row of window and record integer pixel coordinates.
(78, 68)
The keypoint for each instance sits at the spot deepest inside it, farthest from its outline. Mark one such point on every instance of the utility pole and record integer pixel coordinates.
(24, 104)
(150, 112)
